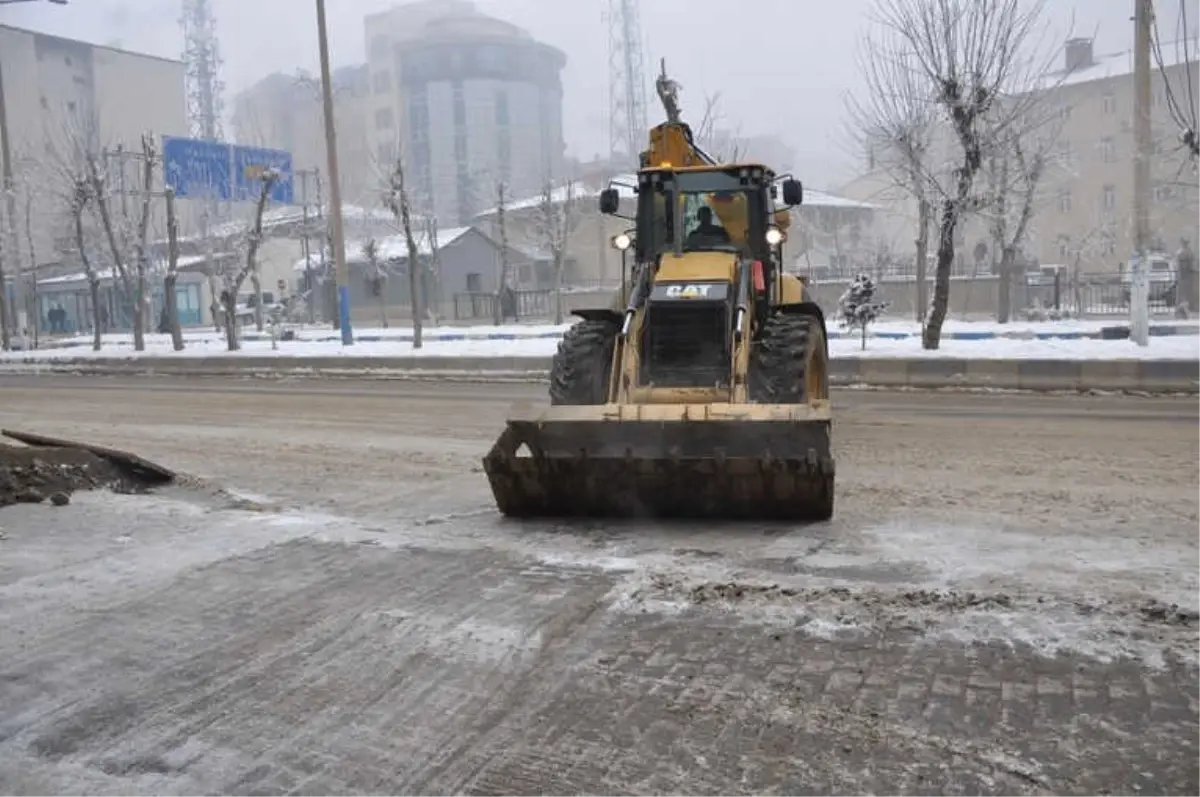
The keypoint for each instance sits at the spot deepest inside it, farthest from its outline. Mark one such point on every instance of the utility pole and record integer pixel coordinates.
(1139, 289)
(335, 190)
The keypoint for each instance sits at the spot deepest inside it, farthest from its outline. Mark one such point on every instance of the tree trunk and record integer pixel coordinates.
(94, 289)
(139, 310)
(923, 220)
(383, 319)
(229, 301)
(1004, 298)
(414, 298)
(864, 336)
(558, 285)
(214, 290)
(5, 340)
(931, 336)
(172, 302)
(256, 283)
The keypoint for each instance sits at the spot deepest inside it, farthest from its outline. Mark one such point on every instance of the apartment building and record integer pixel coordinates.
(470, 100)
(1087, 208)
(286, 112)
(61, 93)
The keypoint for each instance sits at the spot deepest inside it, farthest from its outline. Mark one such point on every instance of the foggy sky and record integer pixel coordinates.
(782, 66)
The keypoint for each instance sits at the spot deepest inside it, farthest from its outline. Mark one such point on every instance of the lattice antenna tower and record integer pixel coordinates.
(626, 79)
(202, 62)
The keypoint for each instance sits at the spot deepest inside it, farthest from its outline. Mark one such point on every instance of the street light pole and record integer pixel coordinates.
(338, 241)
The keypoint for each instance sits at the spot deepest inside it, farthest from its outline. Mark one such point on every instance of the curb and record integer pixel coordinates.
(1145, 376)
(1105, 333)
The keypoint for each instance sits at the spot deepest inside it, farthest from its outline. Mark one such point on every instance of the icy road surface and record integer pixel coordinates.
(990, 611)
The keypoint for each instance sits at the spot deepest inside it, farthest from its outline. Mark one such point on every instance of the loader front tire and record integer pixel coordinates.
(580, 370)
(789, 363)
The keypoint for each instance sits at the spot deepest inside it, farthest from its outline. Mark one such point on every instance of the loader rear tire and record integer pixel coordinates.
(580, 370)
(789, 363)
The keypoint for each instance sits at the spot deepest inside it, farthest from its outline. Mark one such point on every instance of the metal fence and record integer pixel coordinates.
(1092, 295)
(481, 306)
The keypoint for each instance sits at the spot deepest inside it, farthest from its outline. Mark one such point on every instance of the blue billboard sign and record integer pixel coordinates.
(249, 163)
(200, 169)
(197, 169)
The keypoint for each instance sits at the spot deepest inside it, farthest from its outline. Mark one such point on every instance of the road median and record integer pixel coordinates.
(1148, 376)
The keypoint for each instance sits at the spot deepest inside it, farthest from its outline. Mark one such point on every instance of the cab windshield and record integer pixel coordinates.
(711, 210)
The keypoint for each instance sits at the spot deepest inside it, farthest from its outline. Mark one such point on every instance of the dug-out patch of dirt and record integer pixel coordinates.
(30, 475)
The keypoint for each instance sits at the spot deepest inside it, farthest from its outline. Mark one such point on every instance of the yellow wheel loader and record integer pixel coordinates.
(703, 391)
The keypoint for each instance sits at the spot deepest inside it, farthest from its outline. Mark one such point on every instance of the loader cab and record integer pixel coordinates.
(693, 300)
(708, 208)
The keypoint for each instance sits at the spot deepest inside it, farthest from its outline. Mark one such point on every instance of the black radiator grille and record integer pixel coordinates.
(686, 346)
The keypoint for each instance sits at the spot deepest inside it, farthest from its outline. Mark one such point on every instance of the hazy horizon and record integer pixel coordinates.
(783, 72)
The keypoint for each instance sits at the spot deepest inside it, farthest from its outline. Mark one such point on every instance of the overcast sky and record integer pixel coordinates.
(782, 66)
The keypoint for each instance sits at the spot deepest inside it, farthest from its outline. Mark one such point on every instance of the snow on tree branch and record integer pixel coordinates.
(858, 306)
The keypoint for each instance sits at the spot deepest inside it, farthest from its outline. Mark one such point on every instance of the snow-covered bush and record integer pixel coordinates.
(859, 307)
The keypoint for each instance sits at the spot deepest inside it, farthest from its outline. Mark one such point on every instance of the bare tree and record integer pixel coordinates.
(722, 145)
(553, 223)
(435, 264)
(171, 277)
(397, 200)
(120, 238)
(502, 228)
(234, 276)
(1180, 99)
(973, 55)
(29, 192)
(1014, 177)
(78, 203)
(895, 124)
(379, 276)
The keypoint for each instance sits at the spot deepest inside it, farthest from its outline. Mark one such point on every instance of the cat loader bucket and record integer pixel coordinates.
(735, 461)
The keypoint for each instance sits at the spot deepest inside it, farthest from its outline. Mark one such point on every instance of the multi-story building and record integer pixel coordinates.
(286, 112)
(1083, 206)
(1088, 207)
(61, 95)
(468, 100)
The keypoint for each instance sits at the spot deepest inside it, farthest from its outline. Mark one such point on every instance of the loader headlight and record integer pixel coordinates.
(774, 236)
(622, 242)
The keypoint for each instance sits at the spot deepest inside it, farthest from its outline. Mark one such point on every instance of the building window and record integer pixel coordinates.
(1064, 111)
(382, 82)
(1108, 150)
(67, 61)
(1164, 193)
(71, 105)
(1066, 158)
(1110, 197)
(1064, 247)
(1110, 102)
(474, 282)
(384, 119)
(1064, 201)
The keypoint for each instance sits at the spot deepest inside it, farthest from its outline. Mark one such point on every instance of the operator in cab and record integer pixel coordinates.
(706, 233)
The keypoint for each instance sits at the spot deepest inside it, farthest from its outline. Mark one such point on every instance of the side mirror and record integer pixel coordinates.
(610, 201)
(793, 193)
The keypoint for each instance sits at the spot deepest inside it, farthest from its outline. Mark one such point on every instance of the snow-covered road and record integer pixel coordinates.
(998, 579)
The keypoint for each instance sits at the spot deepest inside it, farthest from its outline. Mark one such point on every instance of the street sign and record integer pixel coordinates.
(248, 166)
(197, 169)
(215, 170)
